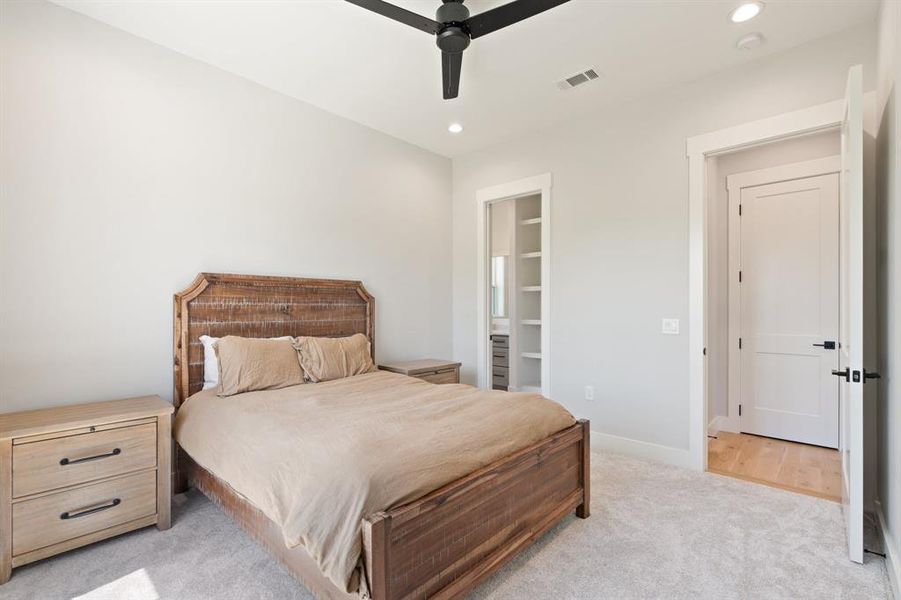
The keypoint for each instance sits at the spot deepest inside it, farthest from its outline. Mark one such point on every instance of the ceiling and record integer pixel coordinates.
(386, 75)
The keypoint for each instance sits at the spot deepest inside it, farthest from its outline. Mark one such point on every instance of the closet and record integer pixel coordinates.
(516, 293)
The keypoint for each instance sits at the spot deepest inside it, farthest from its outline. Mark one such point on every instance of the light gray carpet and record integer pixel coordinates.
(655, 532)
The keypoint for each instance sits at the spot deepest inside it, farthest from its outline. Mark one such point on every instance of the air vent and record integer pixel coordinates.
(577, 79)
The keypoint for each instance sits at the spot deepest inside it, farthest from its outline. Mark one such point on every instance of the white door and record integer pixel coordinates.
(851, 370)
(789, 306)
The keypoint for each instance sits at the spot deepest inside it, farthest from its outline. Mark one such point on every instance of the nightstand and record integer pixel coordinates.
(74, 475)
(428, 369)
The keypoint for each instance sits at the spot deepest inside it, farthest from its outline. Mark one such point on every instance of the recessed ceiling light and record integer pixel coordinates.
(750, 41)
(746, 12)
(455, 128)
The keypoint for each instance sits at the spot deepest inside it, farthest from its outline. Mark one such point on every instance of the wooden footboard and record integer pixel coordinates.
(447, 542)
(444, 544)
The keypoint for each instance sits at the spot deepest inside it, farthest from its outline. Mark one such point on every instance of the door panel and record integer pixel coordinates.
(789, 303)
(851, 331)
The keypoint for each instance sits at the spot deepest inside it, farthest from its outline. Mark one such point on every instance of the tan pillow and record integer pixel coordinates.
(248, 364)
(324, 359)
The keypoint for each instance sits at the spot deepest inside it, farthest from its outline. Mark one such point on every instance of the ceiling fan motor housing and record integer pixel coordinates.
(453, 36)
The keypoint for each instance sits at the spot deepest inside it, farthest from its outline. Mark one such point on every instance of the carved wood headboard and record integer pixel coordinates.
(260, 306)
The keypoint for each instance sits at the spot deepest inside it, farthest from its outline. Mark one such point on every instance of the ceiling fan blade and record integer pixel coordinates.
(507, 14)
(451, 63)
(399, 14)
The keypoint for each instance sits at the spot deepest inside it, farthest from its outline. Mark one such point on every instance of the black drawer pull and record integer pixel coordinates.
(114, 452)
(90, 511)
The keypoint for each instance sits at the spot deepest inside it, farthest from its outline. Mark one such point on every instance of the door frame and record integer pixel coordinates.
(698, 148)
(529, 186)
(801, 170)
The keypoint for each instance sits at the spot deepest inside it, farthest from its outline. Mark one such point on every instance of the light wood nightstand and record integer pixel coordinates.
(74, 475)
(428, 369)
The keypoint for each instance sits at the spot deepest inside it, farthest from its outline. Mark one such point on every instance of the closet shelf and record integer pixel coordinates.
(534, 221)
(531, 288)
(531, 322)
(530, 254)
(531, 355)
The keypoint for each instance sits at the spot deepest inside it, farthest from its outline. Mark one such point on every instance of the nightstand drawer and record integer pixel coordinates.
(66, 515)
(71, 460)
(447, 376)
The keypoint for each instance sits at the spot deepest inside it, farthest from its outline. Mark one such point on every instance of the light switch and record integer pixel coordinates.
(670, 326)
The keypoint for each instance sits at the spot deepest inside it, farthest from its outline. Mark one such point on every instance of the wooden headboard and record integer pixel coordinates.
(260, 306)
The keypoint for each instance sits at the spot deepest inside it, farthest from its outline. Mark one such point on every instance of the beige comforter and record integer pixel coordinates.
(318, 458)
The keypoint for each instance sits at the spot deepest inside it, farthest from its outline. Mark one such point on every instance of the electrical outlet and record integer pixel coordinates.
(670, 327)
(589, 392)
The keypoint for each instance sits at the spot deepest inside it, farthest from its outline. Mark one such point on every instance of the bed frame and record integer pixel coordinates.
(439, 546)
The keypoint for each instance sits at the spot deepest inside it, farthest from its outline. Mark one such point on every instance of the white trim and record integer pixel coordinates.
(782, 173)
(539, 184)
(733, 311)
(892, 559)
(755, 133)
(698, 148)
(735, 183)
(605, 442)
(697, 317)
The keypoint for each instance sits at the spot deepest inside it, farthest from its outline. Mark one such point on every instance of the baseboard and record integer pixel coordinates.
(715, 425)
(665, 454)
(892, 558)
(722, 423)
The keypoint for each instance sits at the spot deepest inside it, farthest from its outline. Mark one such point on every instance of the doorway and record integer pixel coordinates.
(774, 315)
(514, 285)
(854, 249)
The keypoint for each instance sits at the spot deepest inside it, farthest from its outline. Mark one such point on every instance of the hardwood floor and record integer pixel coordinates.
(791, 466)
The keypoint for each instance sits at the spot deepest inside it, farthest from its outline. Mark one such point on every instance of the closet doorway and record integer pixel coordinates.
(773, 277)
(513, 289)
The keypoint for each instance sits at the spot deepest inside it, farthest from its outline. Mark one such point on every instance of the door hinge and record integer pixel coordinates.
(739, 343)
(739, 210)
(739, 410)
(739, 277)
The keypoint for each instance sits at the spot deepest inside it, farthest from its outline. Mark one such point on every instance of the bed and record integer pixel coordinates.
(440, 544)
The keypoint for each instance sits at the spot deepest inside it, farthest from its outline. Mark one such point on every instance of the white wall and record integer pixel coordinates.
(620, 234)
(778, 153)
(501, 232)
(128, 168)
(888, 193)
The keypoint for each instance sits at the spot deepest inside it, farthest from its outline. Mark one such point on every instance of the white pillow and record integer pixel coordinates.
(211, 361)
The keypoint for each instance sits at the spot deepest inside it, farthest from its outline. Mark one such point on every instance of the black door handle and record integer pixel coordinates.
(827, 345)
(846, 373)
(868, 375)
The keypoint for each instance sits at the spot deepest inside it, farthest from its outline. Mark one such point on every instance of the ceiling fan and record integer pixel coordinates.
(454, 28)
